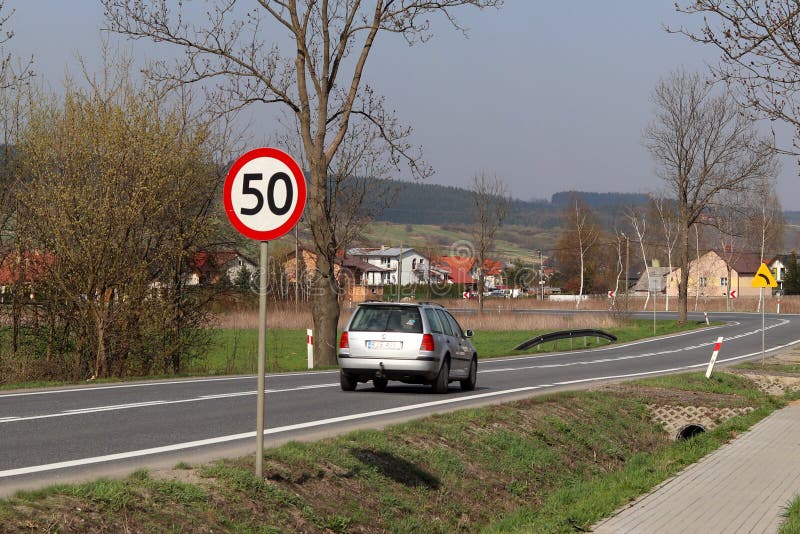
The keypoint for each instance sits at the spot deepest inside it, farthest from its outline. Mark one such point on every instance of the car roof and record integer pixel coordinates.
(395, 304)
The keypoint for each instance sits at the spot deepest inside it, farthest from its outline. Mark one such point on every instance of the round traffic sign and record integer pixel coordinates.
(264, 194)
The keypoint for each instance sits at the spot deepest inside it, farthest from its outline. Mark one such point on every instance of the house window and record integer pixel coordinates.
(703, 281)
(723, 281)
(414, 263)
(384, 260)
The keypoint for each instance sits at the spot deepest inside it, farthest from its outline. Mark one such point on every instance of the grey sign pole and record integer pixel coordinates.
(262, 344)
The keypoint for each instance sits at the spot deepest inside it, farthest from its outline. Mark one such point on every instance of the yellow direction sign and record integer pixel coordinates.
(764, 278)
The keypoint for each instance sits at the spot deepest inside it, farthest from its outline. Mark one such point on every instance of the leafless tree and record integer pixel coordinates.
(638, 222)
(703, 145)
(578, 236)
(490, 200)
(15, 77)
(318, 76)
(669, 233)
(759, 47)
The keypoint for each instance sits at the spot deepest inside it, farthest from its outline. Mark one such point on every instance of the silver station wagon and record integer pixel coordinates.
(419, 343)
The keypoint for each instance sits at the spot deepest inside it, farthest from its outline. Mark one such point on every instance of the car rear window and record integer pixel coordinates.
(387, 319)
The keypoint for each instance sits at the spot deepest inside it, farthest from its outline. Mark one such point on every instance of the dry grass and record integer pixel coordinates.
(498, 312)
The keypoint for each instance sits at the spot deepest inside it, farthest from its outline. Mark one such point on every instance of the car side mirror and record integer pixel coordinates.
(469, 333)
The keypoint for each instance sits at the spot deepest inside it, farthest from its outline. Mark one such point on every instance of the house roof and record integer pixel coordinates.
(458, 268)
(745, 263)
(643, 283)
(357, 265)
(28, 266)
(387, 251)
(204, 259)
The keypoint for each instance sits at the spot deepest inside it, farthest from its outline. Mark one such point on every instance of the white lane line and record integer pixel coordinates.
(153, 384)
(629, 357)
(332, 420)
(246, 435)
(673, 369)
(98, 409)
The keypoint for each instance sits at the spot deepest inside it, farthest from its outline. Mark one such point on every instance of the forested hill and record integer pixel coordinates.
(425, 203)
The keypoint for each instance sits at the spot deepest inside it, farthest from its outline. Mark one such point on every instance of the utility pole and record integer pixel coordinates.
(541, 274)
(627, 267)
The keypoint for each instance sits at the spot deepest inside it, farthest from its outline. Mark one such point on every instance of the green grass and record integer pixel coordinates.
(555, 463)
(779, 368)
(582, 502)
(792, 523)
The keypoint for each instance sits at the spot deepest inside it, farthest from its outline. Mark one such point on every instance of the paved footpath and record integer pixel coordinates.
(744, 486)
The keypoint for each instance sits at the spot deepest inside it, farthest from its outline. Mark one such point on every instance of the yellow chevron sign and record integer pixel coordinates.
(764, 278)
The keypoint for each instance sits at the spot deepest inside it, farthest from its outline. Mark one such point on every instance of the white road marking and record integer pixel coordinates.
(332, 420)
(98, 409)
(246, 435)
(157, 383)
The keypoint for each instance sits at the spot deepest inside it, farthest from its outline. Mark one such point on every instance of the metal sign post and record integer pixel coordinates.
(264, 197)
(763, 279)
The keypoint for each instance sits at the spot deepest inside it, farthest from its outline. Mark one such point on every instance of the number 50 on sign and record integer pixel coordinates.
(264, 194)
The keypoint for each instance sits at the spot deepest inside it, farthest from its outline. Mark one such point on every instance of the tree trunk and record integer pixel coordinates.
(326, 313)
(683, 300)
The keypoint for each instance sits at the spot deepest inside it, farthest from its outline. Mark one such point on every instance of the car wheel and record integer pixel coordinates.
(380, 383)
(440, 383)
(348, 382)
(472, 378)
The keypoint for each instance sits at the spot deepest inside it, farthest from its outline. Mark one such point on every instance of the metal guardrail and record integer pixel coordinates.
(565, 334)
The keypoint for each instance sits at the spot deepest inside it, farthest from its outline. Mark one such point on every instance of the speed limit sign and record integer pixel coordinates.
(264, 194)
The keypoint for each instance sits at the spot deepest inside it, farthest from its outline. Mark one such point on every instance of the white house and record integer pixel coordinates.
(407, 264)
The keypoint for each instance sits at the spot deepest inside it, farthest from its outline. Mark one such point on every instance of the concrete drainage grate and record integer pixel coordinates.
(683, 422)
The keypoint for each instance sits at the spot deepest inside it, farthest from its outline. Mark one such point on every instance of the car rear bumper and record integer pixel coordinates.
(409, 370)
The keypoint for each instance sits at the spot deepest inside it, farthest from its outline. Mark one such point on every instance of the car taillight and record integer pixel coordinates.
(344, 343)
(427, 343)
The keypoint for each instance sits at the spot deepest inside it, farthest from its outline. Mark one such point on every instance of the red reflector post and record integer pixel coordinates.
(427, 343)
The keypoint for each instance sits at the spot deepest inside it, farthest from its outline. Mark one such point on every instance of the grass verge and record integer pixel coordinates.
(555, 463)
(792, 523)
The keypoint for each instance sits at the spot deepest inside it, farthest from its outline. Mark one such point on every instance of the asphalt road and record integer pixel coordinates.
(79, 433)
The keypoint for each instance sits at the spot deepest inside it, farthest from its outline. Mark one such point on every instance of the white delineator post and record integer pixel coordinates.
(717, 346)
(310, 344)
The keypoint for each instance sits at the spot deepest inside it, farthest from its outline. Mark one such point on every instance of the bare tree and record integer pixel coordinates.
(702, 145)
(15, 76)
(759, 53)
(318, 77)
(575, 244)
(491, 203)
(639, 224)
(669, 232)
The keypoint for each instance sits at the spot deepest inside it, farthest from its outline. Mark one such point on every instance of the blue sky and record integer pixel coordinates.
(549, 96)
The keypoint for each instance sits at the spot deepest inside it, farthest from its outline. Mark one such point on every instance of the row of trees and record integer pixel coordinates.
(717, 173)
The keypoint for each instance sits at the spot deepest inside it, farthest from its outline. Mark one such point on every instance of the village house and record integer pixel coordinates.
(212, 267)
(360, 280)
(709, 277)
(405, 265)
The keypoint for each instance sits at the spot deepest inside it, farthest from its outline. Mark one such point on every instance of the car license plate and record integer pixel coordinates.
(385, 345)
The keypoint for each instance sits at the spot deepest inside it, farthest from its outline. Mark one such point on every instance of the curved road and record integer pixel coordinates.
(79, 433)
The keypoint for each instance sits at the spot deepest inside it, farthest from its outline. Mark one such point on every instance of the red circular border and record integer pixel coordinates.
(299, 178)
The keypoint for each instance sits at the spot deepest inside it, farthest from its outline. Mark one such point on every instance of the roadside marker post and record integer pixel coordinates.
(763, 279)
(310, 345)
(717, 346)
(264, 197)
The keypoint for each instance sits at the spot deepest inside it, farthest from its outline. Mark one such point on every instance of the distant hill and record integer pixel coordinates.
(425, 203)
